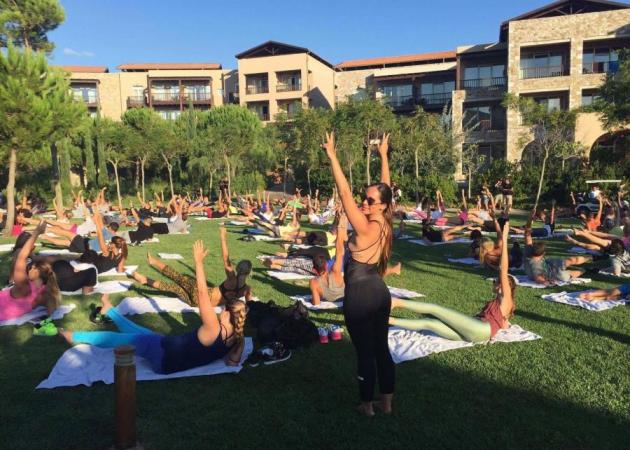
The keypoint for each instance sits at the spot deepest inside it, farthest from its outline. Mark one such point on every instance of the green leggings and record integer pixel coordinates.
(447, 323)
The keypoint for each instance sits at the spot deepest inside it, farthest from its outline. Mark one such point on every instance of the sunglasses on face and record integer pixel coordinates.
(370, 201)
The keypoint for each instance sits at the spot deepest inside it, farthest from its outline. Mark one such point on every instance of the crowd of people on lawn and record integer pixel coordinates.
(347, 252)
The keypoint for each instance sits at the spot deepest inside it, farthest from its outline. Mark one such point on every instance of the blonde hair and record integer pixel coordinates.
(238, 313)
(51, 296)
(484, 248)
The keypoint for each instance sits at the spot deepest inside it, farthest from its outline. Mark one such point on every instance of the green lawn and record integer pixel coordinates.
(569, 390)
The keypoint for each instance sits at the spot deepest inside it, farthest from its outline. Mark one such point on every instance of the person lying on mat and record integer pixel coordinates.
(34, 284)
(542, 232)
(451, 324)
(329, 284)
(600, 295)
(431, 235)
(598, 241)
(543, 270)
(185, 287)
(219, 336)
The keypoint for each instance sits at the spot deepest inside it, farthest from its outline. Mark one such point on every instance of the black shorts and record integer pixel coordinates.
(78, 244)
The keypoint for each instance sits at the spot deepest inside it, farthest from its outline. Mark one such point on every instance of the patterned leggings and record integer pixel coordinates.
(184, 286)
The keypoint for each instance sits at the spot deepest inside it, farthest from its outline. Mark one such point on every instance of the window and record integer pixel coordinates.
(588, 97)
(600, 60)
(437, 93)
(85, 93)
(197, 91)
(290, 108)
(484, 76)
(289, 81)
(257, 84)
(541, 64)
(553, 101)
(169, 114)
(484, 117)
(260, 109)
(165, 91)
(397, 94)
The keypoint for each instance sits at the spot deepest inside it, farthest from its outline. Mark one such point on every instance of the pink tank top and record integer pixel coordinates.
(10, 307)
(491, 313)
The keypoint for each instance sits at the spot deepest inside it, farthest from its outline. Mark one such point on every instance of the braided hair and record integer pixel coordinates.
(238, 313)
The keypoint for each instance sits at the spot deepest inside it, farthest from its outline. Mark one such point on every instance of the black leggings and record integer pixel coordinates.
(366, 309)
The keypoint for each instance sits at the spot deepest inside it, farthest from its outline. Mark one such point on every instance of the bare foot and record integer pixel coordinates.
(66, 335)
(268, 262)
(396, 302)
(396, 269)
(366, 409)
(150, 259)
(139, 277)
(107, 305)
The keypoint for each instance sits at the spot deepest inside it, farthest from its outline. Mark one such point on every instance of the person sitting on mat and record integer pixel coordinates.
(601, 295)
(34, 284)
(451, 324)
(329, 284)
(219, 336)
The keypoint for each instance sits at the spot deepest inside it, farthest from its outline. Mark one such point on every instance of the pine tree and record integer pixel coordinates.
(25, 23)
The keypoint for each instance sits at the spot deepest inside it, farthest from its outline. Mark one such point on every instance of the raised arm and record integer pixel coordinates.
(340, 244)
(507, 302)
(98, 221)
(601, 208)
(209, 329)
(355, 216)
(383, 148)
(20, 275)
(464, 200)
(528, 228)
(227, 264)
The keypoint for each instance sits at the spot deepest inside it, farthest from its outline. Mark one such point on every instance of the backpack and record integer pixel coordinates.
(289, 325)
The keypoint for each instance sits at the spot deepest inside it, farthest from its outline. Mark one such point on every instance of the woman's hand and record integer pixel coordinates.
(329, 145)
(41, 227)
(199, 251)
(383, 147)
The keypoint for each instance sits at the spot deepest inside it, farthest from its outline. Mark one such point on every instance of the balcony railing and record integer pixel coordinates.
(88, 99)
(197, 96)
(435, 99)
(288, 87)
(544, 71)
(135, 101)
(401, 101)
(484, 83)
(601, 67)
(262, 116)
(166, 97)
(253, 89)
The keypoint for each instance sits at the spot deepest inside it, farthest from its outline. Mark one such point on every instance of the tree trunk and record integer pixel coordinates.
(469, 182)
(351, 179)
(229, 176)
(54, 156)
(367, 166)
(137, 180)
(11, 192)
(143, 161)
(210, 190)
(169, 167)
(542, 177)
(284, 178)
(417, 172)
(115, 164)
(308, 178)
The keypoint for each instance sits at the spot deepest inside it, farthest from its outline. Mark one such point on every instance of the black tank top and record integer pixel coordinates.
(356, 271)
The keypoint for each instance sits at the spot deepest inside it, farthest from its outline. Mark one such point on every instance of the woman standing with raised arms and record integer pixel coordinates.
(367, 302)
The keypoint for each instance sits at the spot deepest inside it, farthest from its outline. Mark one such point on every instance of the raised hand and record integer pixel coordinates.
(329, 145)
(41, 227)
(383, 147)
(199, 251)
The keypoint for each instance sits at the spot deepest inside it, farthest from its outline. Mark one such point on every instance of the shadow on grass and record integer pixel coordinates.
(622, 338)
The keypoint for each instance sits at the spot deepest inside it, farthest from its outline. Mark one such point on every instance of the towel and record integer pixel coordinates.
(106, 287)
(160, 219)
(610, 273)
(237, 223)
(404, 237)
(288, 275)
(403, 293)
(170, 256)
(572, 298)
(307, 299)
(255, 231)
(39, 312)
(468, 261)
(86, 364)
(454, 241)
(583, 251)
(263, 237)
(153, 240)
(56, 251)
(6, 247)
(202, 218)
(405, 345)
(524, 281)
(113, 272)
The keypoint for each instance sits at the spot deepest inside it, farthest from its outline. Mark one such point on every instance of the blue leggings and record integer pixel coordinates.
(148, 344)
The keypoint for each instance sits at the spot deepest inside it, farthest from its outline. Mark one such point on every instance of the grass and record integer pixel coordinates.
(567, 390)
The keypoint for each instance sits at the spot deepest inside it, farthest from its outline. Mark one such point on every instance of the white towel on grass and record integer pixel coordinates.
(238, 223)
(106, 287)
(56, 251)
(524, 281)
(405, 345)
(413, 220)
(403, 293)
(113, 272)
(170, 256)
(307, 301)
(610, 273)
(468, 261)
(454, 241)
(86, 364)
(288, 275)
(160, 219)
(572, 298)
(153, 240)
(202, 219)
(6, 248)
(263, 237)
(39, 312)
(404, 237)
(130, 306)
(583, 251)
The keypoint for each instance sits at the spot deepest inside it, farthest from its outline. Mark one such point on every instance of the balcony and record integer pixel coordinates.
(91, 101)
(608, 67)
(136, 101)
(257, 89)
(544, 72)
(288, 87)
(197, 98)
(434, 100)
(486, 132)
(485, 87)
(165, 98)
(401, 102)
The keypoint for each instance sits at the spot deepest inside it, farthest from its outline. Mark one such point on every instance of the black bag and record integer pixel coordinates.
(289, 325)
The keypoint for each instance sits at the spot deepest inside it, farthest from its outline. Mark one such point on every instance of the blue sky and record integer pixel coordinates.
(112, 32)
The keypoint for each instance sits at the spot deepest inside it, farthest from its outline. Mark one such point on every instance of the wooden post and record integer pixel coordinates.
(125, 385)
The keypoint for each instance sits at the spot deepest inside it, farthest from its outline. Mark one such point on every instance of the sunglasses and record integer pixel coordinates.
(370, 201)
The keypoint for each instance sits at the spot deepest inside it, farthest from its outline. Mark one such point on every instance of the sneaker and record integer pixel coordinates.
(278, 354)
(45, 328)
(323, 335)
(336, 333)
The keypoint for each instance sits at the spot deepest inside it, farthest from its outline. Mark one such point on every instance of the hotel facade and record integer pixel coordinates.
(559, 55)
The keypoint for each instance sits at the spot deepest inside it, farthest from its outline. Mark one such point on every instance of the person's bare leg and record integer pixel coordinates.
(393, 270)
(384, 404)
(145, 280)
(577, 243)
(55, 241)
(577, 260)
(366, 409)
(216, 298)
(155, 263)
(576, 273)
(62, 232)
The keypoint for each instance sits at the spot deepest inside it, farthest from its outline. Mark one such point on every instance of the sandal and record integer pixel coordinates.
(98, 318)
